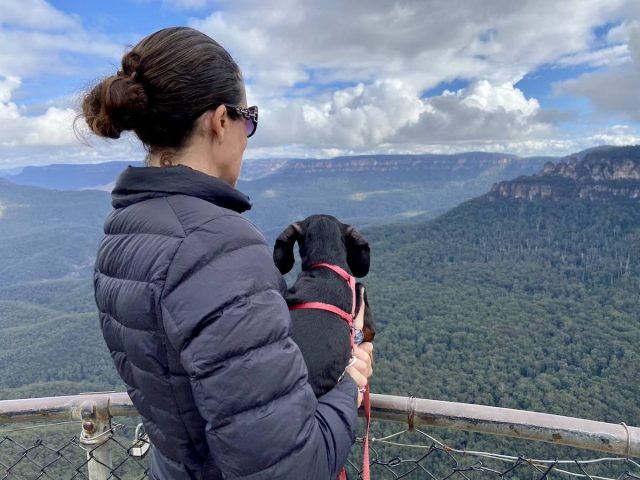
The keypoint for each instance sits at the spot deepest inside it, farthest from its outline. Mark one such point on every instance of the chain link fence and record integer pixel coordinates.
(68, 459)
(74, 450)
(62, 455)
(419, 455)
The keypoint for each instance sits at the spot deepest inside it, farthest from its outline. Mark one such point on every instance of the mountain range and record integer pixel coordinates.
(459, 166)
(364, 190)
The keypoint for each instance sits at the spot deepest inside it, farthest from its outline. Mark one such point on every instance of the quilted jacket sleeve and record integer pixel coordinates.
(223, 311)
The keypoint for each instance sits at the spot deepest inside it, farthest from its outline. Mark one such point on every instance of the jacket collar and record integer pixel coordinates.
(136, 184)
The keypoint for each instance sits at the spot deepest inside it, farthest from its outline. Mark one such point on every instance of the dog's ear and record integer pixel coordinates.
(283, 248)
(357, 253)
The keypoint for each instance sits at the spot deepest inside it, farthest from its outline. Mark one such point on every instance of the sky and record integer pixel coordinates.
(343, 77)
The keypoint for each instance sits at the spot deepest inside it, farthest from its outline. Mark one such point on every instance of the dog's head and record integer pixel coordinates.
(322, 238)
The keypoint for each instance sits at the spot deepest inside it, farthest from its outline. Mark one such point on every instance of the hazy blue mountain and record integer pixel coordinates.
(371, 190)
(427, 166)
(101, 176)
(362, 190)
(10, 171)
(71, 176)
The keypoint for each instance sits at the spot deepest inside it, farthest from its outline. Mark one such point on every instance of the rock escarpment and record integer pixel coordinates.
(594, 174)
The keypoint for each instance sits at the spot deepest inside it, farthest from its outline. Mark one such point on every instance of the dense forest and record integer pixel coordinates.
(49, 342)
(530, 305)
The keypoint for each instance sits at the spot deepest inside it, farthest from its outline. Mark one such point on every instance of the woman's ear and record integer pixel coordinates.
(357, 253)
(283, 248)
(217, 122)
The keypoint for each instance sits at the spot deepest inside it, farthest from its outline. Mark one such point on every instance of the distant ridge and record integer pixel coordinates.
(461, 166)
(435, 163)
(360, 190)
(593, 174)
(71, 176)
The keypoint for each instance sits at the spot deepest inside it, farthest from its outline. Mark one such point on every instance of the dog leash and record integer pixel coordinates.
(366, 474)
(348, 317)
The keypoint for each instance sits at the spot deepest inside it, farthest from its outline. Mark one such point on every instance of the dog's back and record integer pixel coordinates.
(323, 337)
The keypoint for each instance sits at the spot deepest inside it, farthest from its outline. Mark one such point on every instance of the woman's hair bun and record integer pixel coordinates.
(116, 104)
(163, 86)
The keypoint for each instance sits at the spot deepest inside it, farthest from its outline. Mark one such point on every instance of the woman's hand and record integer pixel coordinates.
(362, 369)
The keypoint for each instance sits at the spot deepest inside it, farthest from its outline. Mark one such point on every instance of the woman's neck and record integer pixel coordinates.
(195, 158)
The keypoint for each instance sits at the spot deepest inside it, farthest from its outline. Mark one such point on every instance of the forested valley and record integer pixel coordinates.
(529, 305)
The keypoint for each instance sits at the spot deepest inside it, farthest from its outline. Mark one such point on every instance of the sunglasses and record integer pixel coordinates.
(249, 114)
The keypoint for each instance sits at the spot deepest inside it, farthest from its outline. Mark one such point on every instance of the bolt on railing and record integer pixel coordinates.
(96, 411)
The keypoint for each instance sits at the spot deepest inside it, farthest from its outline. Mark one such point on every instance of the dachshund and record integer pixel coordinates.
(324, 295)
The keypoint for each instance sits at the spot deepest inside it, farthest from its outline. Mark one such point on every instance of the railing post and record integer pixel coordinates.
(96, 433)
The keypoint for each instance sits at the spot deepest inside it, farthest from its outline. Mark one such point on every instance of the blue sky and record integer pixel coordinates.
(334, 78)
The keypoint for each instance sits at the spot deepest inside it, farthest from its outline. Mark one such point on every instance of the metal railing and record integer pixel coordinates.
(100, 436)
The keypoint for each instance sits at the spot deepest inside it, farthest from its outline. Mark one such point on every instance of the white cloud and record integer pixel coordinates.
(53, 128)
(390, 114)
(421, 43)
(480, 113)
(352, 118)
(337, 77)
(97, 151)
(42, 43)
(616, 135)
(6, 90)
(621, 33)
(36, 14)
(185, 4)
(603, 57)
(484, 96)
(393, 51)
(615, 90)
(50, 138)
(38, 39)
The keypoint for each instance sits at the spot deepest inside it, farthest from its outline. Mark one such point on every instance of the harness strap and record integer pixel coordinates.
(324, 306)
(350, 279)
(346, 316)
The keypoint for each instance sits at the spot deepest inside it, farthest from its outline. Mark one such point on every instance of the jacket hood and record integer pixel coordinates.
(136, 184)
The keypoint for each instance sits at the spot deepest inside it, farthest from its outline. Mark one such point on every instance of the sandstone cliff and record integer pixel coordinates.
(593, 174)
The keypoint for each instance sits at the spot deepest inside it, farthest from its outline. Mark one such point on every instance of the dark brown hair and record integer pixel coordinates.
(166, 82)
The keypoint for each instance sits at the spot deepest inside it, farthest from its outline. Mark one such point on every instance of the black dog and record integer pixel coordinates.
(324, 337)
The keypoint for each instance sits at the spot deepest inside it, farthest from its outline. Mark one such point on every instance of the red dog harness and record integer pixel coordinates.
(348, 317)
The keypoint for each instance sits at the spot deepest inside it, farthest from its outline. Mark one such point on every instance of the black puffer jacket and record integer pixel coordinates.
(192, 311)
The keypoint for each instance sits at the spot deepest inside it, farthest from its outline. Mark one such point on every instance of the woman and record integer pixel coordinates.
(190, 301)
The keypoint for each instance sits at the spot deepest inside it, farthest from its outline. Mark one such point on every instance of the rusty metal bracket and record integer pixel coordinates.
(95, 435)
